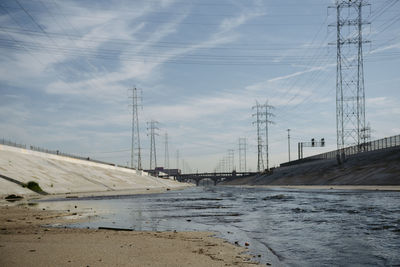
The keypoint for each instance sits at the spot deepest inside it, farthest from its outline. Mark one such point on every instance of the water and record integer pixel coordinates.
(289, 227)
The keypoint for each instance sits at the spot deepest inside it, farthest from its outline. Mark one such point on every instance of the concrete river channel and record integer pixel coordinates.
(284, 227)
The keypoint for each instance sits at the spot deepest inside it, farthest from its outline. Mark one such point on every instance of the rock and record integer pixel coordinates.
(246, 244)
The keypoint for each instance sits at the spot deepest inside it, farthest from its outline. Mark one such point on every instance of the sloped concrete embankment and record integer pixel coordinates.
(58, 174)
(380, 167)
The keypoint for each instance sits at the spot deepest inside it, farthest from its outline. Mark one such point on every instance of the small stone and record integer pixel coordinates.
(246, 244)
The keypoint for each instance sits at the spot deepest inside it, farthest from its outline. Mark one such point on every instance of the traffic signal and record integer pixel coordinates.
(313, 142)
(322, 141)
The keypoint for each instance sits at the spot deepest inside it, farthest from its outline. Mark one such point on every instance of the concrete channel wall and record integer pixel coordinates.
(59, 174)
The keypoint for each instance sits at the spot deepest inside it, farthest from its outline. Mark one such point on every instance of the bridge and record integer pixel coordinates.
(215, 176)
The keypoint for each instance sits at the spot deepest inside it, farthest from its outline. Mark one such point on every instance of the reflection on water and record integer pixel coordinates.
(286, 226)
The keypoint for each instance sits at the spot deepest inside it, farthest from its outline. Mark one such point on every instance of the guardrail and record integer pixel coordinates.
(379, 144)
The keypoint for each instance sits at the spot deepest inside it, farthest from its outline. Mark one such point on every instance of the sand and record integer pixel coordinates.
(24, 241)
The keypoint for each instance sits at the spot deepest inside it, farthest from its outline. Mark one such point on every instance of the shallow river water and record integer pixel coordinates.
(288, 227)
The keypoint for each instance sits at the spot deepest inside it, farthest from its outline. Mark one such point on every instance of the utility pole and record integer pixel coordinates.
(288, 140)
(166, 153)
(350, 92)
(242, 154)
(135, 145)
(153, 128)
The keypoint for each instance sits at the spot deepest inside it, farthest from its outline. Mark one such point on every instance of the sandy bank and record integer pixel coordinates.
(24, 242)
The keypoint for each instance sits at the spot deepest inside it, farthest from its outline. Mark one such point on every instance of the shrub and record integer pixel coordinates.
(34, 186)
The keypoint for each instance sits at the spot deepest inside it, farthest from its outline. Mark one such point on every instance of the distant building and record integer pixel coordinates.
(165, 173)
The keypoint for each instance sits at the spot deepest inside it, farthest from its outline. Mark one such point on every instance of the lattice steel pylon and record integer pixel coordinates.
(268, 114)
(263, 115)
(153, 155)
(259, 121)
(166, 152)
(231, 160)
(242, 154)
(350, 91)
(136, 158)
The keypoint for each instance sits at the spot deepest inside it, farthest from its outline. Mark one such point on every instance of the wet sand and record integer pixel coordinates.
(25, 241)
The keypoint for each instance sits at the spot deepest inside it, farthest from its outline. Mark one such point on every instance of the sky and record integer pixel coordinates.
(66, 68)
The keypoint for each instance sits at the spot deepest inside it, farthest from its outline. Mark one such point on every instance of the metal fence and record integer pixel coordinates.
(383, 143)
(10, 143)
(55, 152)
(379, 144)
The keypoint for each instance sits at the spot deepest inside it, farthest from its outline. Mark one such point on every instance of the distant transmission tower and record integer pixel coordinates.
(177, 159)
(350, 93)
(268, 115)
(231, 160)
(242, 154)
(263, 116)
(259, 121)
(166, 153)
(152, 127)
(135, 146)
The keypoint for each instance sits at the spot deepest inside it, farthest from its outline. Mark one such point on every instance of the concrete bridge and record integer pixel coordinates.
(215, 176)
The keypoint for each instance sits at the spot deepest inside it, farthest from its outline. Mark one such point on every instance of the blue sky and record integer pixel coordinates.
(66, 68)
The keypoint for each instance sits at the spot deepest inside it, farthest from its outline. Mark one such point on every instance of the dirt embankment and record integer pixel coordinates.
(369, 168)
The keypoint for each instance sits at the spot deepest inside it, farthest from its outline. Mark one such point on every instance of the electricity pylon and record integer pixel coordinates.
(231, 160)
(268, 114)
(263, 115)
(152, 127)
(242, 154)
(166, 153)
(350, 92)
(136, 162)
